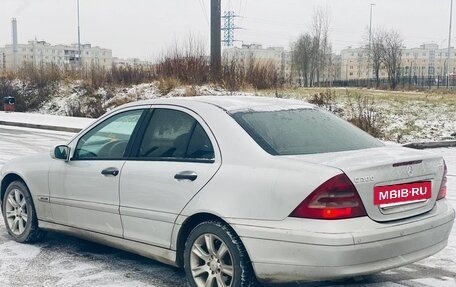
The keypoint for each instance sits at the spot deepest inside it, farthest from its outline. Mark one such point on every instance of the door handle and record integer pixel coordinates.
(186, 175)
(110, 171)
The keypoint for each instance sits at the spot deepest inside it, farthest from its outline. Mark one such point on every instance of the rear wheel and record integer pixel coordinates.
(19, 214)
(214, 256)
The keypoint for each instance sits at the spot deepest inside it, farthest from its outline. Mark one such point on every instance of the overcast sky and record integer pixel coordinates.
(144, 28)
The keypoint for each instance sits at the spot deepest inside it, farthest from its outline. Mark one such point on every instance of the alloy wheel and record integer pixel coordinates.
(211, 262)
(16, 211)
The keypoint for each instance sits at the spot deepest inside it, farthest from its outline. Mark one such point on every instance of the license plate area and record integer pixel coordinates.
(400, 194)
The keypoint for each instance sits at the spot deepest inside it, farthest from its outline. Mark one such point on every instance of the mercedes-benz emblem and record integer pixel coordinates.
(410, 170)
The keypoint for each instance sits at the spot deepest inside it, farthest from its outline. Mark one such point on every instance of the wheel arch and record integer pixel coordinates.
(188, 225)
(6, 181)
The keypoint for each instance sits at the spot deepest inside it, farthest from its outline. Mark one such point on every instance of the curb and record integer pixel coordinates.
(42, 127)
(428, 145)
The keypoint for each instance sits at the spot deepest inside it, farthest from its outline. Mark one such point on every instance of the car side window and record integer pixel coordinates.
(110, 138)
(200, 146)
(175, 135)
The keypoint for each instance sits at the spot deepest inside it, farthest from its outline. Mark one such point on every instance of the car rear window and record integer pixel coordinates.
(303, 131)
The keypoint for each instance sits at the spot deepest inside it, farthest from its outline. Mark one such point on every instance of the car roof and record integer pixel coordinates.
(234, 103)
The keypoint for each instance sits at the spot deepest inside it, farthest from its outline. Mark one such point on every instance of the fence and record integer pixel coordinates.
(431, 82)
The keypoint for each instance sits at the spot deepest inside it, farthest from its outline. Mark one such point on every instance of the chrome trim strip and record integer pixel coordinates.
(148, 214)
(393, 205)
(101, 207)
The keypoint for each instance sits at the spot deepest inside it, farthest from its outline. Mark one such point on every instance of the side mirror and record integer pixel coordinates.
(61, 152)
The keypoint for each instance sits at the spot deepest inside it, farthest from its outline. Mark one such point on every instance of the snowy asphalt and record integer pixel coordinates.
(66, 261)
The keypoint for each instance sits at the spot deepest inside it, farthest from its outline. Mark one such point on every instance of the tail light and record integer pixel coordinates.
(443, 186)
(337, 198)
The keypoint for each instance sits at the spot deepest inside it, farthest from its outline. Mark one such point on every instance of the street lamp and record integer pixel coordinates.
(370, 22)
(370, 39)
(79, 39)
(449, 45)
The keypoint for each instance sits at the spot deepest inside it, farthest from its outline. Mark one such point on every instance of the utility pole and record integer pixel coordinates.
(216, 38)
(79, 41)
(449, 45)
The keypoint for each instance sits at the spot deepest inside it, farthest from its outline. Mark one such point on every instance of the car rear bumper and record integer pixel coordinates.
(289, 252)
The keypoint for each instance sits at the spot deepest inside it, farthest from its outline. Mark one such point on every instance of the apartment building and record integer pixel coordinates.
(130, 62)
(64, 56)
(354, 64)
(428, 60)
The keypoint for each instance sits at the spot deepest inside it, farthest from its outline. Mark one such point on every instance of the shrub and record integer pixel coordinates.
(233, 75)
(364, 114)
(238, 74)
(191, 91)
(130, 75)
(89, 103)
(326, 100)
(40, 76)
(186, 63)
(166, 85)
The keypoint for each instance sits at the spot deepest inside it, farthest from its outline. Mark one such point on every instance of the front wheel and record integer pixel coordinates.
(19, 214)
(214, 256)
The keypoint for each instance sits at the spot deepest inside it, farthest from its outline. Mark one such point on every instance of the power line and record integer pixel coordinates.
(202, 5)
(272, 22)
(242, 11)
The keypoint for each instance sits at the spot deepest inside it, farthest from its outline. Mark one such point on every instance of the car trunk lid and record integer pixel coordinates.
(388, 168)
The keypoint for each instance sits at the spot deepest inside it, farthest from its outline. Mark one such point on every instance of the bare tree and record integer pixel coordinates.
(385, 52)
(321, 46)
(302, 58)
(376, 47)
(311, 52)
(391, 55)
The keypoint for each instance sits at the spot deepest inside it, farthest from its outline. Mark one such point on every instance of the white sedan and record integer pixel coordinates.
(235, 190)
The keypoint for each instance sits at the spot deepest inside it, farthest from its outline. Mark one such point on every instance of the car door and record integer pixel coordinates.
(84, 192)
(174, 159)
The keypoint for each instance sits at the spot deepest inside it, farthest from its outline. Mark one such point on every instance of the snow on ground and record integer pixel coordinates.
(406, 116)
(403, 119)
(66, 261)
(45, 120)
(418, 120)
(71, 97)
(15, 141)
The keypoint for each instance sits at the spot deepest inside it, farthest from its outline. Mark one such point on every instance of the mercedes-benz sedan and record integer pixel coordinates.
(235, 190)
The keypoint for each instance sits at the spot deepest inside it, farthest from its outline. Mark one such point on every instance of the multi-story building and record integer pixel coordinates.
(96, 56)
(64, 56)
(425, 61)
(130, 62)
(428, 60)
(278, 56)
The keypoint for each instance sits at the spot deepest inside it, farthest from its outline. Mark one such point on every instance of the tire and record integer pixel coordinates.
(225, 263)
(19, 214)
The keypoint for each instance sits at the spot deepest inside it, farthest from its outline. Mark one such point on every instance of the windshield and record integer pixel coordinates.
(303, 131)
